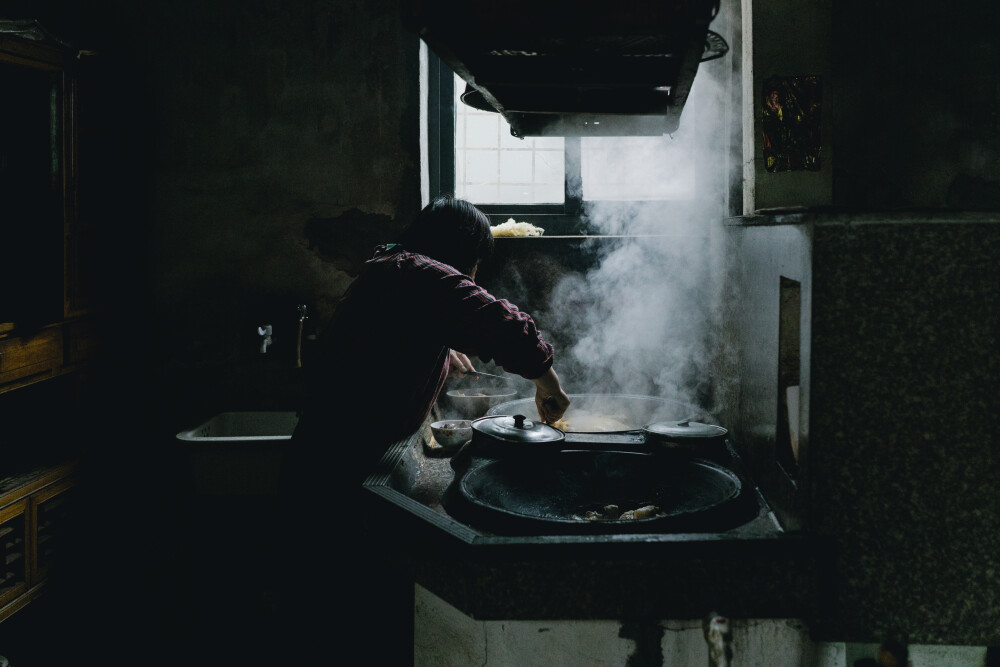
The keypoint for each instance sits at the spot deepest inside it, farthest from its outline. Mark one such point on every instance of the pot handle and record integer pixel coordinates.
(604, 439)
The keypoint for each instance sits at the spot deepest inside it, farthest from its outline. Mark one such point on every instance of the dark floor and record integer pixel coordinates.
(178, 586)
(160, 576)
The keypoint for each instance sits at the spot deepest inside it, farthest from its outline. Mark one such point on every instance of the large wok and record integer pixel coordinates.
(541, 480)
(514, 496)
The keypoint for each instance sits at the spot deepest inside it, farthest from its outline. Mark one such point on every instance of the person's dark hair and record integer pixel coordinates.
(452, 231)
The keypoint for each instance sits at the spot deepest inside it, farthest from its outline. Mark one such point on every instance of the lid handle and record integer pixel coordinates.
(519, 421)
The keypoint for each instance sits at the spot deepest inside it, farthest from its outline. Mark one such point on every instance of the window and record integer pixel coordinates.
(494, 167)
(551, 181)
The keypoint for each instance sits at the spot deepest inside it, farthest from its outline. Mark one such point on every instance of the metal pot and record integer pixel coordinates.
(513, 434)
(686, 435)
(654, 421)
(634, 410)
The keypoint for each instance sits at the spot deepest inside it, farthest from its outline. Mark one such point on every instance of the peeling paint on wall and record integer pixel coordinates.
(347, 240)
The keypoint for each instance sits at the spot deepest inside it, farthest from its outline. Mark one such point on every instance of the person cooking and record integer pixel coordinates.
(413, 315)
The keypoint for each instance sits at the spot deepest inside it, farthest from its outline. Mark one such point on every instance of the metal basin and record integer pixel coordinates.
(238, 453)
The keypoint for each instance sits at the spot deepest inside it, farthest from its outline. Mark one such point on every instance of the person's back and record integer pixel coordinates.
(382, 360)
(381, 357)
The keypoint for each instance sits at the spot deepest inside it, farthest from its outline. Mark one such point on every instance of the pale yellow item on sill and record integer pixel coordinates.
(512, 228)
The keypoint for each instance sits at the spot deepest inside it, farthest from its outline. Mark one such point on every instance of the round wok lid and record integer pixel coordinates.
(516, 429)
(684, 429)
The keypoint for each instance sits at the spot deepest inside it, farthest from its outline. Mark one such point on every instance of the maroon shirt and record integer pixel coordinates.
(384, 356)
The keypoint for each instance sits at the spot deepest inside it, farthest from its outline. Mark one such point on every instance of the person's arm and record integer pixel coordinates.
(492, 329)
(550, 399)
(495, 329)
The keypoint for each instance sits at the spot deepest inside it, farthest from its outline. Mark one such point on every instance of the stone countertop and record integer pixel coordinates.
(751, 570)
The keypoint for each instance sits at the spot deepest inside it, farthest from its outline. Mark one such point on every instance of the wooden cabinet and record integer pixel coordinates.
(30, 358)
(48, 252)
(13, 552)
(36, 516)
(49, 306)
(51, 515)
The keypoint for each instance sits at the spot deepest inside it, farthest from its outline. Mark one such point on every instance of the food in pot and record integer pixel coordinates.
(512, 228)
(614, 513)
(609, 513)
(582, 421)
(647, 512)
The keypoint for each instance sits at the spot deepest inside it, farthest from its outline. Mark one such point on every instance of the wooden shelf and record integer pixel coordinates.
(50, 319)
(55, 350)
(24, 567)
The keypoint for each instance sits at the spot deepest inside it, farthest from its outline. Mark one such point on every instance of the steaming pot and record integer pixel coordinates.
(686, 435)
(512, 434)
(655, 424)
(570, 475)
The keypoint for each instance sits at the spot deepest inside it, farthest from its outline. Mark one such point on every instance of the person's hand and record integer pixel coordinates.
(551, 407)
(458, 364)
(550, 399)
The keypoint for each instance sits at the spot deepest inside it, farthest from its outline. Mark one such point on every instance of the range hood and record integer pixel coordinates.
(583, 68)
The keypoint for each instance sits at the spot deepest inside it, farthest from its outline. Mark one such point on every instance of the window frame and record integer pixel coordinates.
(566, 219)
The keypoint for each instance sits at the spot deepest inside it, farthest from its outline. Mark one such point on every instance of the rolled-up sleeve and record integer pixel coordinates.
(493, 329)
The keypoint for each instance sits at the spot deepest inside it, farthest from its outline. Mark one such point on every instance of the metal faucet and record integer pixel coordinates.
(298, 346)
(265, 337)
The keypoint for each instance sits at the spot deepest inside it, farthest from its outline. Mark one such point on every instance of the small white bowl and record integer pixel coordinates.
(451, 433)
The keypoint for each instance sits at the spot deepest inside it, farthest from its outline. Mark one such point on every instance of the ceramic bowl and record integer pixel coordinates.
(451, 433)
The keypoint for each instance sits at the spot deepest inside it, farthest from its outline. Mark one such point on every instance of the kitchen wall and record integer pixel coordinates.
(898, 297)
(286, 146)
(269, 146)
(246, 156)
(897, 461)
(909, 115)
(915, 125)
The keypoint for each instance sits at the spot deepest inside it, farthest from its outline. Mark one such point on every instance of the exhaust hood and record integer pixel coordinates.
(574, 68)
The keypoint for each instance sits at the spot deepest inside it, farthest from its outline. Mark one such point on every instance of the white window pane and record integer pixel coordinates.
(636, 168)
(550, 168)
(487, 155)
(481, 167)
(515, 167)
(516, 194)
(481, 131)
(482, 194)
(550, 143)
(550, 193)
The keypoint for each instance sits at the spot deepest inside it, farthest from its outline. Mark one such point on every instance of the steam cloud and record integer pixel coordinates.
(645, 319)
